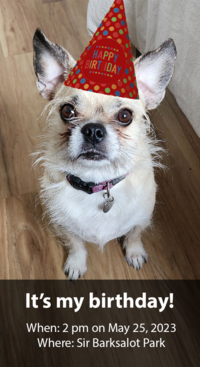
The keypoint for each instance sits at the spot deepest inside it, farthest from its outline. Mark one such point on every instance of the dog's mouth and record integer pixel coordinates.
(92, 155)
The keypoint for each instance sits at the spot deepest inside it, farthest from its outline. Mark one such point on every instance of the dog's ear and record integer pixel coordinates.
(52, 64)
(153, 73)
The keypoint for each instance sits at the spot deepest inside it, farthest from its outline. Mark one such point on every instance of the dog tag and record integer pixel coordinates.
(109, 200)
(108, 204)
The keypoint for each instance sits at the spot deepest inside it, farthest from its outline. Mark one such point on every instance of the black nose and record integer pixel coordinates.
(93, 133)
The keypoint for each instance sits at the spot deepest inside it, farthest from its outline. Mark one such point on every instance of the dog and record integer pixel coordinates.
(99, 145)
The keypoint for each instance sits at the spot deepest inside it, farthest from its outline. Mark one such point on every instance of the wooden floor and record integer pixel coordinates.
(27, 249)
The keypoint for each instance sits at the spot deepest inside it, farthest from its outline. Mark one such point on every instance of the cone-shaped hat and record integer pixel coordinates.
(106, 66)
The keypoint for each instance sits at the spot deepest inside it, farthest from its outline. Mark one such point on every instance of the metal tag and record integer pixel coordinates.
(109, 200)
(108, 204)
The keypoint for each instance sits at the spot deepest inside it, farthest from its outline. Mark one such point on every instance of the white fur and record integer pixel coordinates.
(82, 214)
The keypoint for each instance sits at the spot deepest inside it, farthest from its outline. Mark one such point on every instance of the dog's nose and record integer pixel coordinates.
(93, 133)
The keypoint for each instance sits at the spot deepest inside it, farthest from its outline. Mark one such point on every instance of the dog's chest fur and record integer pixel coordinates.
(82, 214)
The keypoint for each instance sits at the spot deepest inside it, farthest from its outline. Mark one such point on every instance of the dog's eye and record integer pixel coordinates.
(67, 112)
(125, 117)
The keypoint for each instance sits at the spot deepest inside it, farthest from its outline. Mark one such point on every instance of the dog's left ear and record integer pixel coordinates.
(52, 64)
(153, 73)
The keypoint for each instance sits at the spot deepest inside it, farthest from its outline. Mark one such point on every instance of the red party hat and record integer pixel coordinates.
(106, 66)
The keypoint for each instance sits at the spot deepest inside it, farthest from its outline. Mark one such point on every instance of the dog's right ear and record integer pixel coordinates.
(153, 73)
(52, 64)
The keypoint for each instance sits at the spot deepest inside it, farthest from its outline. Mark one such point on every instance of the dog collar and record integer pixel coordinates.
(91, 187)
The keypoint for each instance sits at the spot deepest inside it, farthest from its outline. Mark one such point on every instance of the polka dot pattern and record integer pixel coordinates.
(117, 25)
(112, 41)
(107, 90)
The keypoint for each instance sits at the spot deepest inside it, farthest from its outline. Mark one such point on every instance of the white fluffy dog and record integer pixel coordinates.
(99, 145)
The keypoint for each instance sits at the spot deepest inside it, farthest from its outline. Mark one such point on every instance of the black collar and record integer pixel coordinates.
(91, 187)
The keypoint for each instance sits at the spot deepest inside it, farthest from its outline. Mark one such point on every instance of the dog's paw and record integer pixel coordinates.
(136, 256)
(75, 266)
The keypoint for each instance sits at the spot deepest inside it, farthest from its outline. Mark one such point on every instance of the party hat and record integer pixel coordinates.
(106, 66)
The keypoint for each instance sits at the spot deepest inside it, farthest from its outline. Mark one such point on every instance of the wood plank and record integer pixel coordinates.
(20, 19)
(28, 251)
(20, 106)
(4, 182)
(50, 1)
(67, 25)
(181, 119)
(3, 40)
